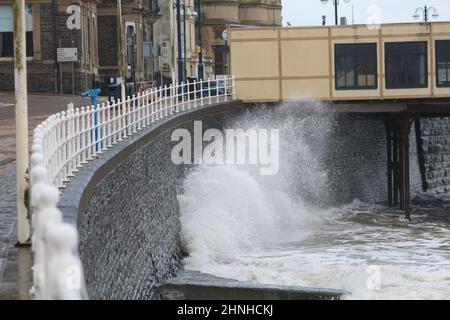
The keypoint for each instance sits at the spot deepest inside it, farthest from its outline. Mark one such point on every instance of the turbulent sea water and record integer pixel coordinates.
(238, 225)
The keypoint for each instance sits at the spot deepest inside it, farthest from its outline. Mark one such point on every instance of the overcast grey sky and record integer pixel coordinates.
(309, 12)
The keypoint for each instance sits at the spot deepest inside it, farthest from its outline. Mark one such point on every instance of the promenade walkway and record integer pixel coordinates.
(15, 263)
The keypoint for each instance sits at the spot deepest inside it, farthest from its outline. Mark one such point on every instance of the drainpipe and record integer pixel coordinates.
(55, 43)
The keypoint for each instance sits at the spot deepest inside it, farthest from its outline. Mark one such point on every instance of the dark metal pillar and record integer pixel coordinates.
(389, 162)
(200, 40)
(336, 16)
(395, 166)
(404, 129)
(401, 173)
(184, 39)
(180, 55)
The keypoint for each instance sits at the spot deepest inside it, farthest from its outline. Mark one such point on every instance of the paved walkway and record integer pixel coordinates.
(15, 262)
(7, 212)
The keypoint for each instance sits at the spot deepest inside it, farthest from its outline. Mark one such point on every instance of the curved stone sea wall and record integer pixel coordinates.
(125, 207)
(125, 202)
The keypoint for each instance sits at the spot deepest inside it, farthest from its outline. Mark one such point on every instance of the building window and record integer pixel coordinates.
(6, 31)
(443, 63)
(406, 65)
(356, 66)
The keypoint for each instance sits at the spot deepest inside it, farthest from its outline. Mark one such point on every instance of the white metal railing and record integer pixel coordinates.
(65, 142)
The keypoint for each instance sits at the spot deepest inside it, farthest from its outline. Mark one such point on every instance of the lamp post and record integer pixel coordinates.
(336, 4)
(200, 40)
(425, 11)
(179, 54)
(121, 40)
(191, 12)
(21, 107)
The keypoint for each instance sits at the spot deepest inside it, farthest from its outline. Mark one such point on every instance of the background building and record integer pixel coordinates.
(166, 44)
(138, 19)
(392, 62)
(82, 27)
(214, 16)
(218, 15)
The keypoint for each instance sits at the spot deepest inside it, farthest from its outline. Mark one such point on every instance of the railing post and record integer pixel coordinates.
(139, 116)
(96, 125)
(182, 96)
(77, 139)
(63, 167)
(68, 139)
(233, 87)
(103, 132)
(189, 94)
(145, 109)
(202, 83)
(156, 102)
(88, 133)
(195, 94)
(128, 121)
(109, 124)
(166, 99)
(209, 91)
(217, 91)
(135, 115)
(120, 118)
(83, 136)
(152, 105)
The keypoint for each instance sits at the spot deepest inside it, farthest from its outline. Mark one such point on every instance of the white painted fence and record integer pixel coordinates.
(64, 143)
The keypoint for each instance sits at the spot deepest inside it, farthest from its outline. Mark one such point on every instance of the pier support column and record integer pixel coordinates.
(405, 127)
(397, 134)
(393, 164)
(389, 163)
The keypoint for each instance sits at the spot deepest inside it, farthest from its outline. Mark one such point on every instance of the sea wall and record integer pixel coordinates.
(125, 207)
(125, 202)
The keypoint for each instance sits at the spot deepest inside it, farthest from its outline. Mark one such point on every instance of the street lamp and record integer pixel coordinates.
(179, 58)
(336, 4)
(191, 12)
(425, 11)
(200, 40)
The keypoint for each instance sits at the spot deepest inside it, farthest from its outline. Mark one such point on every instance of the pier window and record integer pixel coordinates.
(406, 65)
(443, 63)
(6, 31)
(356, 66)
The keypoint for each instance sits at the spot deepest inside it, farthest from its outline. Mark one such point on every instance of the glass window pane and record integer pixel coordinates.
(354, 62)
(340, 72)
(6, 44)
(406, 65)
(443, 63)
(29, 44)
(371, 80)
(442, 71)
(29, 17)
(362, 80)
(350, 72)
(6, 18)
(422, 69)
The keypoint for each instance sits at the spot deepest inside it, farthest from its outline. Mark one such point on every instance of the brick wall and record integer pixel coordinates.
(436, 153)
(107, 39)
(41, 73)
(129, 233)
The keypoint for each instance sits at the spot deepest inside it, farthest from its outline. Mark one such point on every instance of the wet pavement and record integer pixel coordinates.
(16, 262)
